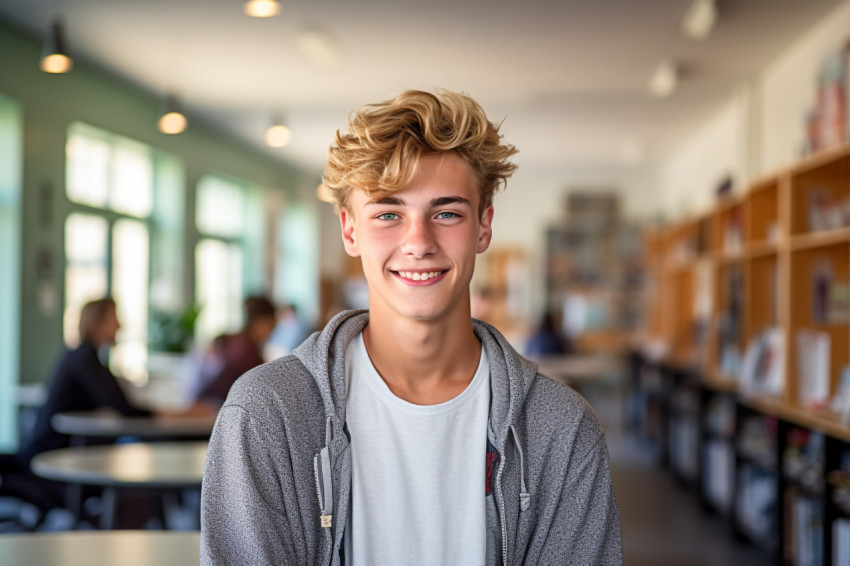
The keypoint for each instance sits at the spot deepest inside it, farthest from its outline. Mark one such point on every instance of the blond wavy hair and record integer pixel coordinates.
(380, 150)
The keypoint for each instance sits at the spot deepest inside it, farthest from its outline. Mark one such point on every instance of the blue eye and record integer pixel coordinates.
(387, 216)
(447, 215)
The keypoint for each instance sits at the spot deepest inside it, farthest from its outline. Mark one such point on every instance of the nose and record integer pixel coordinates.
(418, 240)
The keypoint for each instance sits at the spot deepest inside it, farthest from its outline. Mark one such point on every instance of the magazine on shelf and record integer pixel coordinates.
(762, 370)
(813, 367)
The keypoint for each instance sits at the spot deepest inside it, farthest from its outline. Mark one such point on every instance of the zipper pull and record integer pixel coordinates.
(327, 521)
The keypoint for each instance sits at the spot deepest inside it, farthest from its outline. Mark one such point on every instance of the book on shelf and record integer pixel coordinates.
(813, 367)
(718, 474)
(763, 367)
(841, 541)
(806, 544)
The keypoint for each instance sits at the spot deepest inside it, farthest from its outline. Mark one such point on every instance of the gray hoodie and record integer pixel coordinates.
(277, 480)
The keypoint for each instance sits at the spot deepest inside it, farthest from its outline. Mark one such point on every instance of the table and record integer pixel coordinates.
(576, 369)
(101, 548)
(163, 466)
(110, 424)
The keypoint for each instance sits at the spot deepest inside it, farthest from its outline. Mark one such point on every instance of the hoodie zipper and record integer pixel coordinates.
(325, 517)
(322, 475)
(501, 501)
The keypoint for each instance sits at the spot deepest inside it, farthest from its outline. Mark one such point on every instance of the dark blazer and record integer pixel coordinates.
(79, 383)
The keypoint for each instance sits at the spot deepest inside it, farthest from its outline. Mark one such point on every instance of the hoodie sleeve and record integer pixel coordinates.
(593, 507)
(243, 514)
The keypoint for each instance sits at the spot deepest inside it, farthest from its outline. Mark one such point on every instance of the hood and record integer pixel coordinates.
(323, 355)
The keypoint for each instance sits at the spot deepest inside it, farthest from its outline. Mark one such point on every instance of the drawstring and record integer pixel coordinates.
(524, 496)
(328, 434)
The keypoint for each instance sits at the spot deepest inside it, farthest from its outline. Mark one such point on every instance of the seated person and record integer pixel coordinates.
(80, 382)
(546, 341)
(289, 332)
(243, 351)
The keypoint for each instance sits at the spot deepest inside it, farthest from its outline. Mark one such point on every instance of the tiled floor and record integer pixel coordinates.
(663, 522)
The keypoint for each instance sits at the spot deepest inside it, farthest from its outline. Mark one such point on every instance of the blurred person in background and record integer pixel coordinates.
(80, 382)
(546, 340)
(243, 351)
(288, 333)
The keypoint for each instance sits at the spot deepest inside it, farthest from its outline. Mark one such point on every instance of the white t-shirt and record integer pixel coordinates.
(418, 480)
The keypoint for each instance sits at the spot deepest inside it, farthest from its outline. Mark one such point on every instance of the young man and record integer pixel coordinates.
(410, 433)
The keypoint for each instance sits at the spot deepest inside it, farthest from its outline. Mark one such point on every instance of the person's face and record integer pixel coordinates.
(418, 245)
(109, 327)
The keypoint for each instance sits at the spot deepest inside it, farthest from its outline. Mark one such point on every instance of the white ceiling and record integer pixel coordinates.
(568, 77)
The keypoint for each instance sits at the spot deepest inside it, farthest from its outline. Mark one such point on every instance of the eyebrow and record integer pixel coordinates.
(440, 201)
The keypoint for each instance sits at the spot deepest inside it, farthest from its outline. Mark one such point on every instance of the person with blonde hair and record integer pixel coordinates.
(409, 433)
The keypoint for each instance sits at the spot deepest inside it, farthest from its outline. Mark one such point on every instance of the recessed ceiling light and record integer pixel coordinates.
(700, 19)
(319, 48)
(664, 80)
(262, 8)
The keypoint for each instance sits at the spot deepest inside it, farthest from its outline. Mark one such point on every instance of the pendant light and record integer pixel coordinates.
(278, 135)
(171, 119)
(54, 56)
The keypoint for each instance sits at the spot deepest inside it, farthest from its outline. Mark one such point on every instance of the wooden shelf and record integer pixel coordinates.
(820, 239)
(762, 248)
(720, 383)
(824, 421)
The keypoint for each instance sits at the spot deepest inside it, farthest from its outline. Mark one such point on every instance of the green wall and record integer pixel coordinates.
(48, 105)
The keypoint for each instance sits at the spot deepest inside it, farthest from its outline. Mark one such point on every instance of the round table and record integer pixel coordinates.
(141, 464)
(163, 466)
(108, 424)
(101, 548)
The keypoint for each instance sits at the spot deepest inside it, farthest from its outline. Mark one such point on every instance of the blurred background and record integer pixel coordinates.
(169, 154)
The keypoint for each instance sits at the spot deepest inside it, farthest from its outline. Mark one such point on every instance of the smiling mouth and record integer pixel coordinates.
(418, 275)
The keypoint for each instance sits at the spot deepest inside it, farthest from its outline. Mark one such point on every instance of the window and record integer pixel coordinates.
(111, 182)
(10, 256)
(227, 253)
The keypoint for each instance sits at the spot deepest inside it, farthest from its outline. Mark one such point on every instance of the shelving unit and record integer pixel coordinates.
(762, 281)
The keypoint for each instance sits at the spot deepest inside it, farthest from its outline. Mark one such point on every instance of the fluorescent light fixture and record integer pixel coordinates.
(278, 135)
(700, 19)
(262, 8)
(663, 81)
(54, 57)
(319, 48)
(171, 120)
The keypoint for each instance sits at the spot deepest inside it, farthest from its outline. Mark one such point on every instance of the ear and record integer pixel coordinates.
(485, 230)
(346, 221)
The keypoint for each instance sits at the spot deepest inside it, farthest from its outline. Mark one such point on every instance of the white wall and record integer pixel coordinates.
(689, 177)
(759, 130)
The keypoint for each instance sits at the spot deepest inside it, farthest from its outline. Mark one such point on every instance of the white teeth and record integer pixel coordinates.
(416, 276)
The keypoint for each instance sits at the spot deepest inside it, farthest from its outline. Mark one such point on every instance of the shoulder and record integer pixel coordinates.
(281, 393)
(558, 413)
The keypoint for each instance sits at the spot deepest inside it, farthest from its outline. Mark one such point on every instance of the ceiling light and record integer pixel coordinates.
(54, 57)
(319, 48)
(700, 19)
(278, 135)
(171, 120)
(663, 81)
(262, 8)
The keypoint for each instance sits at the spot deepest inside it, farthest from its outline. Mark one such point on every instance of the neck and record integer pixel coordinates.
(423, 362)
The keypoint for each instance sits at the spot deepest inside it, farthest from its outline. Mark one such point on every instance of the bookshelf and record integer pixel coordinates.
(751, 300)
